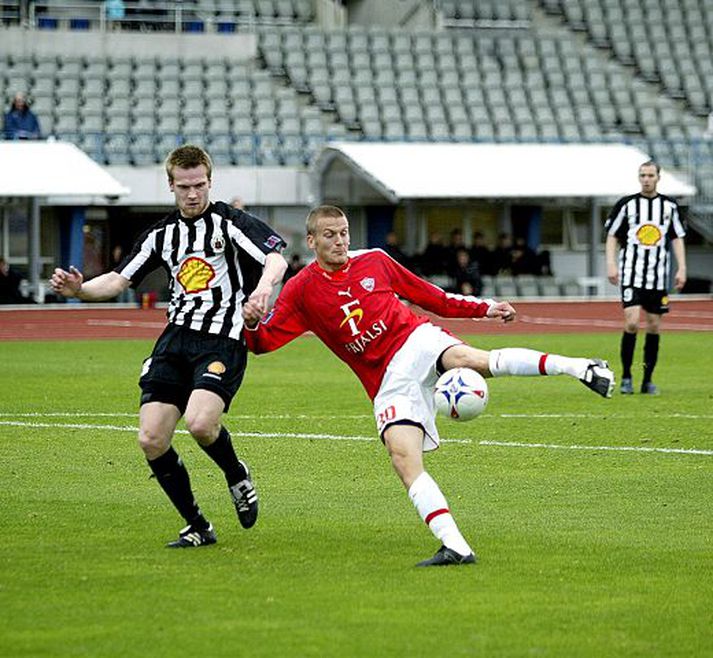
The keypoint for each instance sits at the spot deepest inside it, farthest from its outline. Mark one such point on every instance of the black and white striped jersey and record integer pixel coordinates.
(213, 261)
(644, 228)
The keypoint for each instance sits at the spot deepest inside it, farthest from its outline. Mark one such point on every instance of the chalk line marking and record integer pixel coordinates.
(340, 437)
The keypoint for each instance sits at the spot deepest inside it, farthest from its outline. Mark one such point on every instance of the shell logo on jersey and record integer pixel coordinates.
(648, 235)
(195, 275)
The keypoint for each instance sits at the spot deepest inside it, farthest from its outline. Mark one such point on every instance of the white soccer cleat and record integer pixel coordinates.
(599, 377)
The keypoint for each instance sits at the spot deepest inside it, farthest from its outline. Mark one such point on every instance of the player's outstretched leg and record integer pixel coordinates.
(595, 374)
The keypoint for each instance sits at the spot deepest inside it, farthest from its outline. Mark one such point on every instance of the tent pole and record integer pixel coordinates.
(34, 249)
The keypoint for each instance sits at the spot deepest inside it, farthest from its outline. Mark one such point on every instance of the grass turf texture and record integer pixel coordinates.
(582, 553)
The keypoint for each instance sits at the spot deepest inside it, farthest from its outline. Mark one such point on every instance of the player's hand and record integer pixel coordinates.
(251, 313)
(613, 274)
(260, 298)
(502, 310)
(66, 283)
(679, 280)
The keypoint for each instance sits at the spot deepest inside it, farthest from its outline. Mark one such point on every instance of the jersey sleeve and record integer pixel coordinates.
(281, 325)
(430, 297)
(143, 258)
(615, 225)
(250, 234)
(677, 229)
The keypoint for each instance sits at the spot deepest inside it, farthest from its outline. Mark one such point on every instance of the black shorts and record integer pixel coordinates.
(652, 301)
(184, 360)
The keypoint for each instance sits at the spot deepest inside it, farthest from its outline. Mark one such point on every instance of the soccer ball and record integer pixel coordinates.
(461, 394)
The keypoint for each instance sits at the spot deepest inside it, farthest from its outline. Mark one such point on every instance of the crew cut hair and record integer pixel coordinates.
(321, 211)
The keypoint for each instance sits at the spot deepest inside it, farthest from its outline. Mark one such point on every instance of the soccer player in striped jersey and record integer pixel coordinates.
(349, 300)
(217, 257)
(644, 228)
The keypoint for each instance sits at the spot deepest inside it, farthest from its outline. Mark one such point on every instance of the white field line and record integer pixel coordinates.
(340, 437)
(577, 322)
(485, 416)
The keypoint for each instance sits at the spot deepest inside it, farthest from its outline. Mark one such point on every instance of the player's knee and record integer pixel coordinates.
(152, 442)
(631, 327)
(202, 427)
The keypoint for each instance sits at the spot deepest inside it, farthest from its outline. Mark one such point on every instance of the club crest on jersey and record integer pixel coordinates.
(217, 244)
(367, 283)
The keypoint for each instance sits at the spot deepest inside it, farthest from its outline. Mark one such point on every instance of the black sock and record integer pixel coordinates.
(628, 343)
(221, 451)
(173, 478)
(651, 355)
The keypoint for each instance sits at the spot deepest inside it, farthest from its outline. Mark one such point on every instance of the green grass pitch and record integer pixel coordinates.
(593, 551)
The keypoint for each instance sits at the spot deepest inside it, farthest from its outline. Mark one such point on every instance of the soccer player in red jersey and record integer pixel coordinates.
(349, 300)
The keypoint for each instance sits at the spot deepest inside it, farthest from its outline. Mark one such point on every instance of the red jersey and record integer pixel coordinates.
(355, 311)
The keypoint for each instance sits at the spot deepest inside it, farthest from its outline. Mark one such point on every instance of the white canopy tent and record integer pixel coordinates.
(37, 169)
(401, 171)
(360, 173)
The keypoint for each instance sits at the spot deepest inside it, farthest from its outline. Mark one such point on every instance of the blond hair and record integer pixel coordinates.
(333, 212)
(188, 156)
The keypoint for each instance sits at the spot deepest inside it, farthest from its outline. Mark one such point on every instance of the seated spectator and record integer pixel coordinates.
(467, 275)
(480, 253)
(294, 265)
(394, 250)
(502, 255)
(523, 259)
(433, 259)
(20, 120)
(10, 285)
(455, 245)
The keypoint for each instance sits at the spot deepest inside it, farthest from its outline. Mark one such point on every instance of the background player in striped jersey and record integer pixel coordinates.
(217, 257)
(644, 228)
(349, 300)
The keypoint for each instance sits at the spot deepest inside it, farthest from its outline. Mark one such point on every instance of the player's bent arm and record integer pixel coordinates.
(105, 286)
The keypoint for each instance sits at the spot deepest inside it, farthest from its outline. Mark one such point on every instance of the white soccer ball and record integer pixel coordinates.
(461, 394)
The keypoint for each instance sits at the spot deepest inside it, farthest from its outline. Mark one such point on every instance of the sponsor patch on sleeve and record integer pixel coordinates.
(273, 241)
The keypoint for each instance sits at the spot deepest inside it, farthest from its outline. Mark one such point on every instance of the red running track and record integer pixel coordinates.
(93, 321)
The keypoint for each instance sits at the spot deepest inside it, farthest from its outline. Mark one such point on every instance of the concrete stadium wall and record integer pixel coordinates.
(18, 41)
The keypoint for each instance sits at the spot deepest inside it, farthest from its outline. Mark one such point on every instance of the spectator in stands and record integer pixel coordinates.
(394, 250)
(502, 254)
(480, 253)
(237, 203)
(433, 258)
(20, 121)
(126, 296)
(10, 285)
(115, 12)
(467, 275)
(294, 265)
(523, 259)
(454, 246)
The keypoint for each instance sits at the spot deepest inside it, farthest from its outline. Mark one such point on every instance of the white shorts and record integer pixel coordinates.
(406, 391)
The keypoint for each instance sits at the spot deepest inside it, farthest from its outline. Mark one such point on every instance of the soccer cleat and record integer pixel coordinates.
(191, 537)
(649, 388)
(599, 377)
(244, 497)
(445, 557)
(627, 386)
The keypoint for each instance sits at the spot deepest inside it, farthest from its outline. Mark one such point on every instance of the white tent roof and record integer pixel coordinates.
(435, 170)
(40, 169)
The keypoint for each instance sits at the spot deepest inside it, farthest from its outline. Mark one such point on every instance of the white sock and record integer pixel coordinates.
(522, 362)
(433, 509)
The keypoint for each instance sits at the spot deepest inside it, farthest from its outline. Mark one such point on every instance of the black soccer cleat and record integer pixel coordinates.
(191, 537)
(627, 386)
(445, 557)
(599, 377)
(244, 497)
(649, 388)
